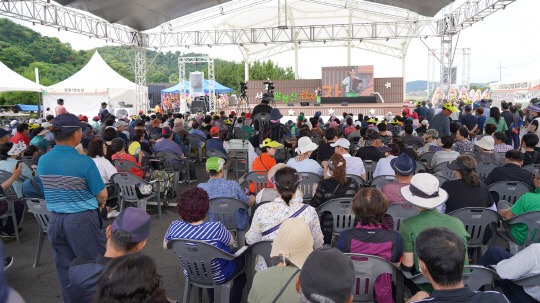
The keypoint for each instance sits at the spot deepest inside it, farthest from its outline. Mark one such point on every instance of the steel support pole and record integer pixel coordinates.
(246, 69)
(296, 75)
(141, 94)
(446, 65)
(403, 73)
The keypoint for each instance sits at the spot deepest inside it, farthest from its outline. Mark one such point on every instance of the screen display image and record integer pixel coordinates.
(347, 81)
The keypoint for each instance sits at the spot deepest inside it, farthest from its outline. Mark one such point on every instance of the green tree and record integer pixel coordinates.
(173, 78)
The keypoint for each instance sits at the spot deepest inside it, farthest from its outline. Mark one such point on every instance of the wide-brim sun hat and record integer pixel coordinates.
(487, 143)
(424, 191)
(274, 169)
(305, 145)
(43, 132)
(293, 241)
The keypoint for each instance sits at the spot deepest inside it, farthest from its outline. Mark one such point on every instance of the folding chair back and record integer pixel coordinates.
(530, 168)
(359, 180)
(307, 184)
(211, 153)
(477, 222)
(223, 210)
(262, 249)
(342, 213)
(39, 208)
(478, 277)
(127, 183)
(421, 167)
(426, 157)
(198, 258)
(259, 178)
(194, 140)
(510, 191)
(380, 181)
(10, 191)
(532, 220)
(442, 170)
(370, 166)
(124, 166)
(400, 212)
(367, 269)
(262, 119)
(441, 179)
(484, 169)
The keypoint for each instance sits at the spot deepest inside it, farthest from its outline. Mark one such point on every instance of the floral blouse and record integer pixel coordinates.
(271, 214)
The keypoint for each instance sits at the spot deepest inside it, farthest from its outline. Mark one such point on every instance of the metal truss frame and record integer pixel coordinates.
(182, 61)
(433, 61)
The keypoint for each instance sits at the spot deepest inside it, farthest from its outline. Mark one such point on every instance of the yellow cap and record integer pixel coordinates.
(450, 107)
(269, 143)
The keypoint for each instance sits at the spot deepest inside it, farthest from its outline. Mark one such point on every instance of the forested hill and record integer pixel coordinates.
(23, 49)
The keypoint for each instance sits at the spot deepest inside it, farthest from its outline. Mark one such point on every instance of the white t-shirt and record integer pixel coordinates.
(355, 166)
(383, 167)
(106, 169)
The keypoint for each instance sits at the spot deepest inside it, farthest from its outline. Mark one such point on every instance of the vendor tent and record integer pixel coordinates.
(10, 81)
(95, 83)
(26, 108)
(220, 89)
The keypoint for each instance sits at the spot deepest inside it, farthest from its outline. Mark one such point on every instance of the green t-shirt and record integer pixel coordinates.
(528, 202)
(501, 126)
(268, 283)
(411, 227)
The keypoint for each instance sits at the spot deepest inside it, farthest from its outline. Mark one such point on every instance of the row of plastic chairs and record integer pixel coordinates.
(197, 257)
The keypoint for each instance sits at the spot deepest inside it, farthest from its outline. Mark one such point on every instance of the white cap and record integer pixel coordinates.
(121, 123)
(46, 125)
(341, 142)
(357, 123)
(38, 121)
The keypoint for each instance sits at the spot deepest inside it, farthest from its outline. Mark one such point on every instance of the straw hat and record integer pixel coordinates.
(274, 169)
(293, 241)
(424, 191)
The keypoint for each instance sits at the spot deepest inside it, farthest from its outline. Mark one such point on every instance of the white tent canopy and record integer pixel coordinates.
(84, 91)
(10, 81)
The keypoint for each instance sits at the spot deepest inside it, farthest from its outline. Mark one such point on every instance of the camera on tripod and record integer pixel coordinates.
(269, 87)
(243, 89)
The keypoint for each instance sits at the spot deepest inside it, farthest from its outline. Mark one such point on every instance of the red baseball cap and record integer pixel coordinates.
(233, 113)
(214, 130)
(248, 116)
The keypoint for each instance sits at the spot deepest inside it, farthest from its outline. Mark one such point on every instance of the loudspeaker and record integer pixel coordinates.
(316, 104)
(196, 84)
(304, 103)
(199, 103)
(344, 103)
(290, 104)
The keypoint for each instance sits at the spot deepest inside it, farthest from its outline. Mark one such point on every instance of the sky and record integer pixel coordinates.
(507, 38)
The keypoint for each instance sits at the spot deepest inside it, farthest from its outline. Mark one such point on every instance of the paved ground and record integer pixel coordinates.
(40, 284)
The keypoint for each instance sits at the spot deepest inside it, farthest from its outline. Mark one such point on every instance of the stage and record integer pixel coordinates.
(377, 109)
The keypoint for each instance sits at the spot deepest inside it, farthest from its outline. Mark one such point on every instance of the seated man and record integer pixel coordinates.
(511, 171)
(355, 166)
(430, 138)
(126, 235)
(166, 144)
(424, 193)
(528, 143)
(404, 168)
(524, 264)
(7, 231)
(290, 248)
(370, 152)
(441, 255)
(526, 203)
(408, 138)
(217, 187)
(119, 147)
(327, 276)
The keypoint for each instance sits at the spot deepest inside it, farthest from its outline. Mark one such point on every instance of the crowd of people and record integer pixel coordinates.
(69, 161)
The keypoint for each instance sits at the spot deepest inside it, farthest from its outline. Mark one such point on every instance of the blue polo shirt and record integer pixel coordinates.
(70, 180)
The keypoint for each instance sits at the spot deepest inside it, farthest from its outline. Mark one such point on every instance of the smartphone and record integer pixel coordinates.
(18, 164)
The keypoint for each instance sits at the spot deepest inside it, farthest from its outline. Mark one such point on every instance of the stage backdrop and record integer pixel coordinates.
(347, 81)
(285, 91)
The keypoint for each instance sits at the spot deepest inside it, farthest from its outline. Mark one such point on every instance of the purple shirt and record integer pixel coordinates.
(392, 192)
(166, 145)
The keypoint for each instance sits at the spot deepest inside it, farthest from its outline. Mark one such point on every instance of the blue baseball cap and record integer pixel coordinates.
(135, 221)
(66, 123)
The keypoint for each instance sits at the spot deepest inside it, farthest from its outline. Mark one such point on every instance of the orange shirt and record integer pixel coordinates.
(262, 163)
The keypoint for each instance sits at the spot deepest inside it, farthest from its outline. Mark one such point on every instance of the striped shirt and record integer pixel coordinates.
(213, 233)
(70, 180)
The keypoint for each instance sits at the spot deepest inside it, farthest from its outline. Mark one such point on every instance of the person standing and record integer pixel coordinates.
(441, 122)
(60, 109)
(75, 193)
(102, 114)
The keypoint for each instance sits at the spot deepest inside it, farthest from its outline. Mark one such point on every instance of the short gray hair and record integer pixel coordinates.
(314, 298)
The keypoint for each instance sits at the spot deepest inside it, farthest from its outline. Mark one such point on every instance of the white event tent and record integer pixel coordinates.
(95, 83)
(10, 81)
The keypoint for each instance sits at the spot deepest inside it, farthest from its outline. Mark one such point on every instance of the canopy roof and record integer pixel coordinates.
(95, 77)
(27, 108)
(220, 89)
(143, 15)
(10, 81)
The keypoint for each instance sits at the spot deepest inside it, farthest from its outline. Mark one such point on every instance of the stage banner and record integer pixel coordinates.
(347, 81)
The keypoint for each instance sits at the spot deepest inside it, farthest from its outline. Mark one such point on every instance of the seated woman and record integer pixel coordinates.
(337, 186)
(467, 190)
(96, 151)
(486, 145)
(302, 163)
(265, 161)
(193, 206)
(109, 133)
(446, 154)
(268, 217)
(462, 143)
(370, 237)
(119, 147)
